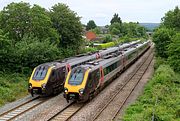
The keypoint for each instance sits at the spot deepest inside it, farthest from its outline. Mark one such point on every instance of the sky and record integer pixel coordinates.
(101, 11)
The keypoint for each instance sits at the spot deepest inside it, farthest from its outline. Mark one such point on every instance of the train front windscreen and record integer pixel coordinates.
(76, 76)
(40, 73)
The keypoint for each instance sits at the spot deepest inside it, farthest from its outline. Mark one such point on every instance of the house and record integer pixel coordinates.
(90, 36)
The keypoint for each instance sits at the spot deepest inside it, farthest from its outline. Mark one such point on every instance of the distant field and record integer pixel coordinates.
(150, 26)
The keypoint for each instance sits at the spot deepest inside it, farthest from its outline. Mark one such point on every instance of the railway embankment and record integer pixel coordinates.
(160, 99)
(12, 87)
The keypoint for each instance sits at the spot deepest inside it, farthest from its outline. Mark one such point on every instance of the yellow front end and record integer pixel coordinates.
(74, 89)
(38, 84)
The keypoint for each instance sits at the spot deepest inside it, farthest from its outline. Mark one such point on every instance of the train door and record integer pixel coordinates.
(101, 75)
(123, 60)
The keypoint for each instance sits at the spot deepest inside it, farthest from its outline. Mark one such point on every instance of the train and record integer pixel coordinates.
(48, 78)
(86, 80)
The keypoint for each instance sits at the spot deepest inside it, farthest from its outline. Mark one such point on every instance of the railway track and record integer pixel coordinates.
(21, 109)
(66, 113)
(116, 102)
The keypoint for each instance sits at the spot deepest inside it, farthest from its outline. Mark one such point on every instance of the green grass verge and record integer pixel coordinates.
(12, 87)
(161, 98)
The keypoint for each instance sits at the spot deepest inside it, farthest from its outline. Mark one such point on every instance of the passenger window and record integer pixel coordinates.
(90, 81)
(105, 72)
(98, 75)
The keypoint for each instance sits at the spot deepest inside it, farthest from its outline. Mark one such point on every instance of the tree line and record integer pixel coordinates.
(119, 28)
(167, 38)
(30, 35)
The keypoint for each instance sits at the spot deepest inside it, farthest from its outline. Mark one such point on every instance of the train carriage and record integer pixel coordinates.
(85, 81)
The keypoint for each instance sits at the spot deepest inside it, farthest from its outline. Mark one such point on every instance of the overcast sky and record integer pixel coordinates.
(101, 11)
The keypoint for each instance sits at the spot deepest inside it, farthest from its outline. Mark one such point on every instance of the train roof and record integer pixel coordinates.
(93, 65)
(89, 56)
(51, 64)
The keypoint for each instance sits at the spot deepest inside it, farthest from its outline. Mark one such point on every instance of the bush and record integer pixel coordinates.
(163, 87)
(89, 49)
(162, 38)
(129, 39)
(27, 54)
(108, 38)
(106, 45)
(12, 87)
(174, 52)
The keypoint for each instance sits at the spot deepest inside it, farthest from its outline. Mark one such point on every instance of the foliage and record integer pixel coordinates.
(68, 25)
(162, 38)
(91, 25)
(15, 19)
(161, 97)
(96, 30)
(171, 19)
(174, 52)
(133, 30)
(107, 38)
(116, 19)
(28, 53)
(19, 19)
(125, 39)
(106, 45)
(41, 25)
(115, 28)
(127, 29)
(8, 87)
(89, 49)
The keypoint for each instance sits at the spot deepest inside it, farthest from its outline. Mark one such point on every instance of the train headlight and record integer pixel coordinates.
(81, 91)
(65, 90)
(30, 85)
(43, 85)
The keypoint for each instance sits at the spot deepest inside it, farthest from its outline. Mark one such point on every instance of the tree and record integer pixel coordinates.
(141, 31)
(132, 29)
(15, 19)
(115, 28)
(96, 30)
(116, 19)
(5, 45)
(68, 25)
(171, 19)
(19, 19)
(41, 24)
(91, 25)
(162, 38)
(107, 38)
(174, 52)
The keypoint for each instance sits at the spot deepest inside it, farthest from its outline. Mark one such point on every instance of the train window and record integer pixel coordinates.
(131, 55)
(98, 75)
(76, 76)
(90, 81)
(105, 72)
(40, 73)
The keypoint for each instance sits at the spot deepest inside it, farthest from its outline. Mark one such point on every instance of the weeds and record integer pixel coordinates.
(160, 98)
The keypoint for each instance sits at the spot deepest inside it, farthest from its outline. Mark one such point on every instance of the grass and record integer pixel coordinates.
(161, 98)
(12, 87)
